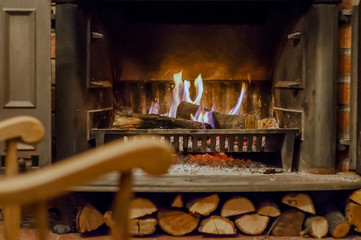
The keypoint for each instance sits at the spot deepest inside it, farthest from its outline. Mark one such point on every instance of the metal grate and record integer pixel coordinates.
(217, 140)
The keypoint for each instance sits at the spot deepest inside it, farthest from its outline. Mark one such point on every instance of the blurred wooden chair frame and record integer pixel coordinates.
(36, 187)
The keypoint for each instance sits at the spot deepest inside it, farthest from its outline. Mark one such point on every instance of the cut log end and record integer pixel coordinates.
(218, 226)
(176, 222)
(142, 227)
(252, 224)
(88, 219)
(203, 206)
(140, 207)
(289, 223)
(237, 206)
(340, 230)
(356, 196)
(299, 200)
(177, 202)
(268, 209)
(338, 225)
(353, 215)
(316, 227)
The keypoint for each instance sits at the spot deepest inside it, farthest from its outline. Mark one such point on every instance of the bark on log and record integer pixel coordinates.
(203, 206)
(353, 215)
(140, 207)
(338, 225)
(289, 223)
(139, 121)
(221, 121)
(237, 206)
(299, 200)
(177, 202)
(217, 225)
(252, 224)
(177, 222)
(88, 219)
(315, 226)
(267, 208)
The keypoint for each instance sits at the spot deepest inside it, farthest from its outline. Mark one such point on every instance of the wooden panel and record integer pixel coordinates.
(25, 66)
(19, 46)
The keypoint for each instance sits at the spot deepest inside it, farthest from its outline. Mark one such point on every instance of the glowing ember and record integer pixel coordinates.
(237, 108)
(177, 94)
(154, 108)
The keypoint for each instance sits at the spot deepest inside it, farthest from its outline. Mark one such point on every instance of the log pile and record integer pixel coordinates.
(216, 215)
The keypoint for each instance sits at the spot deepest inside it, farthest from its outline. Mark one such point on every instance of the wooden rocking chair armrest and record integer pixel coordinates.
(28, 129)
(152, 156)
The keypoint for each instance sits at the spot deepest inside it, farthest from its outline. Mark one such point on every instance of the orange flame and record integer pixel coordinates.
(177, 94)
(198, 83)
(236, 110)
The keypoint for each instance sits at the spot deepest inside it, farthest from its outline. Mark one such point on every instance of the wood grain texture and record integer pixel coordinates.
(152, 156)
(28, 129)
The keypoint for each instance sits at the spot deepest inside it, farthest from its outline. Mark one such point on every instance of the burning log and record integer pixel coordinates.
(221, 121)
(203, 206)
(289, 223)
(315, 226)
(140, 207)
(177, 222)
(252, 224)
(299, 200)
(217, 225)
(237, 206)
(140, 121)
(88, 219)
(267, 208)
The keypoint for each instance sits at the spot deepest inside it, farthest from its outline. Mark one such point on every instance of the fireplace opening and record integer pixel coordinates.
(266, 74)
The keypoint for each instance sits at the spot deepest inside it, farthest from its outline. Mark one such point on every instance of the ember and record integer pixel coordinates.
(216, 160)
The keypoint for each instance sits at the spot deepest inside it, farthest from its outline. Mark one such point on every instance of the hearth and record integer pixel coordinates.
(122, 71)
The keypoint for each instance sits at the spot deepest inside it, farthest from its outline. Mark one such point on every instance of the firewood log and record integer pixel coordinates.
(88, 219)
(267, 208)
(203, 206)
(252, 224)
(356, 196)
(237, 206)
(353, 215)
(217, 225)
(139, 121)
(142, 227)
(288, 223)
(315, 226)
(177, 202)
(221, 121)
(140, 207)
(299, 200)
(138, 227)
(176, 222)
(338, 225)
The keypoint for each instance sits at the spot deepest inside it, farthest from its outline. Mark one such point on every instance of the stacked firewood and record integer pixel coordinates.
(208, 214)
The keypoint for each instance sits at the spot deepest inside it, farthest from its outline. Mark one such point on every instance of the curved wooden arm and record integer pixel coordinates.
(28, 129)
(152, 156)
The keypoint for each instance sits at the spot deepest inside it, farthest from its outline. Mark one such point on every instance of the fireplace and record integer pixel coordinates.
(119, 58)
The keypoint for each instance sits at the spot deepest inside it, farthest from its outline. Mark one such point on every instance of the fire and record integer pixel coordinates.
(237, 108)
(198, 83)
(177, 94)
(203, 116)
(154, 108)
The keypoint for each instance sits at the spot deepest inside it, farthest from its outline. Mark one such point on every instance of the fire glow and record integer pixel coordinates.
(181, 92)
